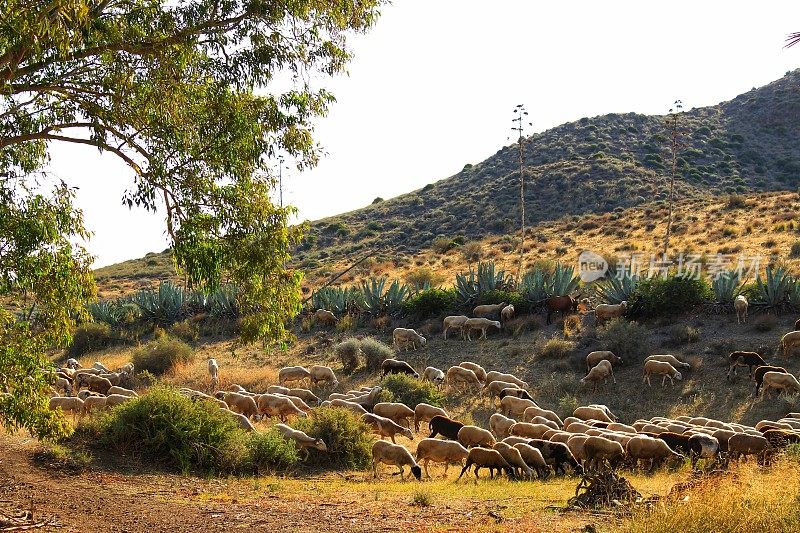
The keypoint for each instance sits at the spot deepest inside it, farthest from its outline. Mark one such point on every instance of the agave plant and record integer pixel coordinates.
(486, 278)
(375, 301)
(773, 290)
(615, 289)
(164, 306)
(533, 287)
(793, 294)
(726, 286)
(563, 280)
(108, 312)
(222, 302)
(338, 300)
(467, 287)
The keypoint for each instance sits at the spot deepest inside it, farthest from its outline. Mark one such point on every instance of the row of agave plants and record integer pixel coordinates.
(166, 305)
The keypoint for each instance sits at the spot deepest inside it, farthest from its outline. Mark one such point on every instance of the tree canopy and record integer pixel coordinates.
(182, 92)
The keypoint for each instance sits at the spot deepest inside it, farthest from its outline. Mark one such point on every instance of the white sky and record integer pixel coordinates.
(433, 86)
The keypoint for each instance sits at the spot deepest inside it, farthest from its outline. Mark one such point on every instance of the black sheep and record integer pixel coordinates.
(780, 438)
(446, 427)
(758, 374)
(393, 366)
(517, 393)
(556, 454)
(748, 359)
(678, 442)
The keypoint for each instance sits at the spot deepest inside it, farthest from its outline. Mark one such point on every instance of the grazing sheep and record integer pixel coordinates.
(325, 317)
(240, 403)
(758, 374)
(440, 451)
(532, 412)
(778, 381)
(645, 448)
(354, 407)
(369, 399)
(305, 395)
(508, 378)
(671, 359)
(600, 450)
(235, 387)
(780, 438)
(434, 375)
(113, 400)
(298, 402)
(514, 391)
(533, 458)
(63, 385)
(486, 458)
(98, 384)
(527, 430)
(384, 427)
(403, 337)
(396, 455)
(480, 373)
(94, 402)
(424, 412)
(293, 373)
(322, 374)
(444, 426)
(515, 407)
(303, 441)
(601, 355)
(470, 436)
(69, 404)
(72, 364)
(213, 372)
(740, 304)
(500, 425)
(486, 311)
(495, 388)
(742, 444)
(748, 359)
(101, 367)
(396, 412)
(605, 312)
(590, 412)
(123, 391)
(272, 405)
(454, 322)
(560, 304)
(460, 375)
(789, 341)
(621, 428)
(277, 389)
(242, 420)
(556, 454)
(597, 375)
(543, 421)
(660, 369)
(722, 436)
(482, 324)
(514, 458)
(395, 366)
(702, 446)
(127, 368)
(507, 313)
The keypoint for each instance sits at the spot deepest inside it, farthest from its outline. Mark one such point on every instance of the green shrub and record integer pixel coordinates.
(567, 405)
(421, 498)
(431, 302)
(627, 340)
(90, 337)
(269, 452)
(410, 391)
(186, 331)
(424, 278)
(347, 351)
(668, 296)
(556, 348)
(497, 297)
(161, 355)
(349, 440)
(346, 323)
(375, 352)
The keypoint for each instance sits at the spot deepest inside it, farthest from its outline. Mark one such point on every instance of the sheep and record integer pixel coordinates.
(369, 399)
(454, 322)
(277, 389)
(789, 341)
(533, 458)
(305, 395)
(515, 407)
(464, 376)
(395, 366)
(72, 364)
(434, 375)
(444, 426)
(779, 380)
(384, 427)
(671, 359)
(591, 412)
(322, 374)
(396, 412)
(722, 437)
(595, 357)
(608, 311)
(354, 407)
(87, 394)
(101, 367)
(396, 455)
(325, 317)
(532, 412)
(303, 441)
(293, 373)
(440, 451)
(508, 378)
(123, 391)
(742, 444)
(424, 412)
(515, 392)
(748, 359)
(621, 428)
(514, 458)
(470, 436)
(98, 384)
(514, 439)
(507, 313)
(242, 420)
(577, 427)
(127, 368)
(560, 304)
(758, 374)
(402, 337)
(70, 404)
(575, 444)
(495, 388)
(235, 387)
(113, 400)
(660, 369)
(544, 421)
(597, 374)
(482, 324)
(298, 402)
(112, 377)
(702, 447)
(485, 311)
(556, 454)
(600, 449)
(500, 425)
(644, 448)
(273, 405)
(213, 372)
(740, 304)
(486, 458)
(531, 431)
(239, 403)
(63, 385)
(780, 438)
(480, 373)
(94, 402)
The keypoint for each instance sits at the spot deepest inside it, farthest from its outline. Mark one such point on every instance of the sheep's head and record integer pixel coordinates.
(422, 340)
(407, 433)
(497, 324)
(678, 376)
(219, 395)
(320, 445)
(417, 471)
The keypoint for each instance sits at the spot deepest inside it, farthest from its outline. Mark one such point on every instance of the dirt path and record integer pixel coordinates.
(135, 502)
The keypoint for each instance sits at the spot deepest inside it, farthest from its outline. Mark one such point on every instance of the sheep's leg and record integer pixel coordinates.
(446, 466)
(375, 469)
(401, 472)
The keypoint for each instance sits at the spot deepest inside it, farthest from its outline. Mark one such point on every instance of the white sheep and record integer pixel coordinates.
(213, 372)
(69, 404)
(293, 373)
(239, 403)
(461, 375)
(671, 359)
(527, 430)
(598, 374)
(325, 317)
(384, 427)
(424, 412)
(440, 451)
(434, 375)
(301, 439)
(323, 374)
(396, 412)
(475, 367)
(482, 324)
(353, 407)
(608, 311)
(403, 337)
(500, 425)
(484, 311)
(595, 357)
(454, 322)
(508, 378)
(514, 458)
(789, 341)
(94, 402)
(275, 405)
(113, 400)
(532, 412)
(396, 455)
(590, 412)
(660, 368)
(470, 436)
(305, 395)
(507, 313)
(778, 381)
(740, 304)
(515, 407)
(123, 391)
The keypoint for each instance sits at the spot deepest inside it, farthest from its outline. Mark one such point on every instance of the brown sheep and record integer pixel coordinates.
(560, 304)
(486, 458)
(789, 341)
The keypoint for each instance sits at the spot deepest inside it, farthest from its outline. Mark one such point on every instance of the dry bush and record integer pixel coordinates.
(765, 322)
(554, 348)
(572, 326)
(381, 323)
